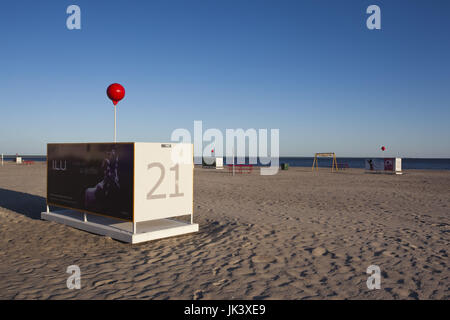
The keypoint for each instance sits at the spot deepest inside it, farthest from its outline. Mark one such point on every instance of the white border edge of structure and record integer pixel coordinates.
(177, 228)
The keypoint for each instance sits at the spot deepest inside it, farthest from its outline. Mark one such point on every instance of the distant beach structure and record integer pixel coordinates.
(330, 155)
(384, 165)
(18, 159)
(212, 162)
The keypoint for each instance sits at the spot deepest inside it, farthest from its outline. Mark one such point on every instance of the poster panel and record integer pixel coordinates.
(389, 164)
(377, 164)
(92, 177)
(374, 164)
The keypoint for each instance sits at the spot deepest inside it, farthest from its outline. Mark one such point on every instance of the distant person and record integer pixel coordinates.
(370, 161)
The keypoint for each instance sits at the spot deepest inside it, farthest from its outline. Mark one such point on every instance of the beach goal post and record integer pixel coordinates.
(331, 155)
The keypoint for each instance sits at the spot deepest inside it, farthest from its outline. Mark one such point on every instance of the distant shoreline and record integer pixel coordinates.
(352, 162)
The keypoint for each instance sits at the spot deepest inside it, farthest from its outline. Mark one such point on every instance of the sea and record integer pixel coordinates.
(407, 163)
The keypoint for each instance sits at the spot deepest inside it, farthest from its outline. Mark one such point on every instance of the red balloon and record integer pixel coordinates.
(383, 148)
(115, 92)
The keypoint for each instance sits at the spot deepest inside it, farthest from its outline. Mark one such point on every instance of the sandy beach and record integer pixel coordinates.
(295, 235)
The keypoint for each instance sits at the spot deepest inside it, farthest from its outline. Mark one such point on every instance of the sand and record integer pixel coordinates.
(296, 235)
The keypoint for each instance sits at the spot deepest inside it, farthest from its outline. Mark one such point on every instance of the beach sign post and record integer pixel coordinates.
(115, 92)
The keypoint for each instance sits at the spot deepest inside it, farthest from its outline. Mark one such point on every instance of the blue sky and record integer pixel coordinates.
(309, 68)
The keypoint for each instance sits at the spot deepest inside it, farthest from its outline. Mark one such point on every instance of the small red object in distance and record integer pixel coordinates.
(115, 92)
(383, 148)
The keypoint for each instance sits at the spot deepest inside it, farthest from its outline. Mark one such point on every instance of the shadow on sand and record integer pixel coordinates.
(24, 203)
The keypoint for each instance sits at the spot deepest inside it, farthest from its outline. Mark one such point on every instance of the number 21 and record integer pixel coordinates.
(151, 195)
